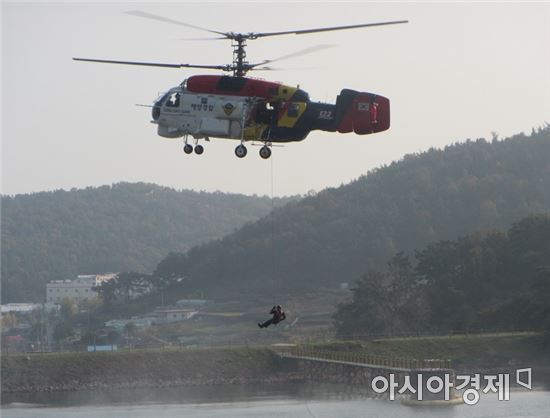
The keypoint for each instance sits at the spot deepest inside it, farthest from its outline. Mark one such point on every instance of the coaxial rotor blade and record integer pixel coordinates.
(168, 20)
(284, 69)
(155, 64)
(305, 51)
(202, 39)
(327, 29)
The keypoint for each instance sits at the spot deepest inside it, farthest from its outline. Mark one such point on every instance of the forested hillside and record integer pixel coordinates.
(57, 235)
(342, 233)
(494, 280)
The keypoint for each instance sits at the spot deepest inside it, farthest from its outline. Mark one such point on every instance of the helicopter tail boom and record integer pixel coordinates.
(362, 113)
(358, 112)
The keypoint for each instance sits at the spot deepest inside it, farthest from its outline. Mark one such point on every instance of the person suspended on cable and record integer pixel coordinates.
(278, 316)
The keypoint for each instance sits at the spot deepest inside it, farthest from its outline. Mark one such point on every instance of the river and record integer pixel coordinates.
(265, 400)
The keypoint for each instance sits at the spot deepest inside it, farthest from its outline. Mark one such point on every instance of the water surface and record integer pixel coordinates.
(263, 400)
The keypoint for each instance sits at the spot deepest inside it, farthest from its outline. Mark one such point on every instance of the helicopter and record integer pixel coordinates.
(254, 110)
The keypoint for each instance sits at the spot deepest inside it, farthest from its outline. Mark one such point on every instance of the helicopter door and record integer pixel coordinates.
(266, 113)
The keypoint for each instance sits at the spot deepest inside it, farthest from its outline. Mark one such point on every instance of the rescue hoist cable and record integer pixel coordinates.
(274, 257)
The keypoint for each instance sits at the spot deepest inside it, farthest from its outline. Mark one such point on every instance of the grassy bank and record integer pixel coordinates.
(140, 368)
(472, 352)
(173, 367)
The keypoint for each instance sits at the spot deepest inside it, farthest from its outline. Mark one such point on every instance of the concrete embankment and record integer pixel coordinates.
(484, 353)
(143, 368)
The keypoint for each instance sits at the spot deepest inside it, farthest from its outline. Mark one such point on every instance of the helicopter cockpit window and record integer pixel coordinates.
(173, 100)
(293, 110)
(300, 96)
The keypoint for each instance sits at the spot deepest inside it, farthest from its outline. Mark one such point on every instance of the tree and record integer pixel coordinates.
(130, 329)
(492, 280)
(69, 308)
(59, 234)
(107, 292)
(124, 286)
(383, 302)
(422, 199)
(366, 313)
(113, 337)
(8, 321)
(62, 330)
(89, 338)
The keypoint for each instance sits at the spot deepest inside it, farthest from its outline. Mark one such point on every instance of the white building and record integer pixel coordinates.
(19, 307)
(172, 314)
(191, 303)
(75, 290)
(120, 324)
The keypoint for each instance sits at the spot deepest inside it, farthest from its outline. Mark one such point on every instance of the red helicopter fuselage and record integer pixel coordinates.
(252, 109)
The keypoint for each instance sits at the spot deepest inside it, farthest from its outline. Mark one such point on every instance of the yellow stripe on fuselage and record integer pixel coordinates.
(284, 94)
(254, 132)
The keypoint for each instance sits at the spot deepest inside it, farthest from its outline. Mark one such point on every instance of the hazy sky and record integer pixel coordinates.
(456, 71)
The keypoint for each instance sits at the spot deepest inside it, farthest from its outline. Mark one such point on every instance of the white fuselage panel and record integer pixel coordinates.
(201, 115)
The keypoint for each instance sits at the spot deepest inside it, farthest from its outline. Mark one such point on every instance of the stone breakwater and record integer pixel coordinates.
(139, 369)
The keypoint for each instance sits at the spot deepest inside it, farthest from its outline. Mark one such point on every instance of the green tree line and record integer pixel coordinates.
(60, 234)
(484, 281)
(340, 233)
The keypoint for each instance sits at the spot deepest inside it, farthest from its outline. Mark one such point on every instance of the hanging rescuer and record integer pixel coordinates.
(278, 316)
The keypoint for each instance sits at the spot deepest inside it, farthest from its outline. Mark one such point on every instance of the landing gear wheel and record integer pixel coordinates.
(265, 152)
(241, 151)
(199, 149)
(188, 149)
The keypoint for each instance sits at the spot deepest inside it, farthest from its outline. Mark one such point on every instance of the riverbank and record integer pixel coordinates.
(142, 368)
(469, 354)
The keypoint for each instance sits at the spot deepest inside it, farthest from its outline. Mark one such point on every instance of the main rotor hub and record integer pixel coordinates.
(240, 65)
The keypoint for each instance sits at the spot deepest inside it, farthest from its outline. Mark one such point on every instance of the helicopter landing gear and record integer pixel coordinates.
(265, 152)
(241, 151)
(188, 148)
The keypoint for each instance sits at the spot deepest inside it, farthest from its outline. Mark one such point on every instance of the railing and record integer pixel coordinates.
(489, 332)
(362, 358)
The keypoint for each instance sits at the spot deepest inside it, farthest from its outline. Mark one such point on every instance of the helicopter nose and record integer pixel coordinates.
(156, 112)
